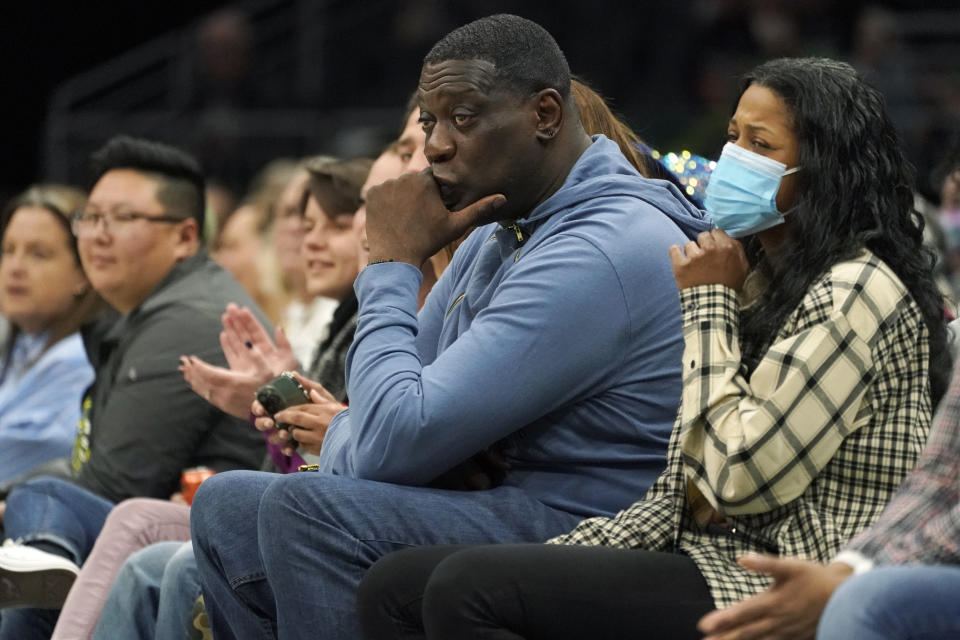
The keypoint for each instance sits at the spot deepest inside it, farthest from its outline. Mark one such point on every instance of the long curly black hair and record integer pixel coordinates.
(855, 191)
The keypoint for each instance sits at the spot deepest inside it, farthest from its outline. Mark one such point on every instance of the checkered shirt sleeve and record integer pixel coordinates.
(751, 445)
(922, 523)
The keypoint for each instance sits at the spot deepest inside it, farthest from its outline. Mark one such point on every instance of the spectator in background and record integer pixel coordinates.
(46, 297)
(157, 587)
(231, 389)
(141, 424)
(949, 214)
(239, 248)
(220, 201)
(306, 315)
(330, 255)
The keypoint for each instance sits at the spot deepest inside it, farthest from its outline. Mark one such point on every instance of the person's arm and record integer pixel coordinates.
(752, 444)
(41, 422)
(430, 316)
(525, 355)
(922, 522)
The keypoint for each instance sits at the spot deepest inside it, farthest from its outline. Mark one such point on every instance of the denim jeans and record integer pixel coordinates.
(57, 511)
(915, 602)
(54, 511)
(153, 595)
(282, 556)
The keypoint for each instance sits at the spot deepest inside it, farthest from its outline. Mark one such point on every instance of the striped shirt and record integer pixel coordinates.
(922, 523)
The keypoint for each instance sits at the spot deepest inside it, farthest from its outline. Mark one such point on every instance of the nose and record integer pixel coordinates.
(316, 237)
(98, 233)
(12, 262)
(439, 146)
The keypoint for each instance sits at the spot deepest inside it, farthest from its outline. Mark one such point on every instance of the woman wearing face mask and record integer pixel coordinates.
(45, 295)
(809, 382)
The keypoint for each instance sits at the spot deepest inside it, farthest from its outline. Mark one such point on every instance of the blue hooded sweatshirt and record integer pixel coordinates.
(564, 348)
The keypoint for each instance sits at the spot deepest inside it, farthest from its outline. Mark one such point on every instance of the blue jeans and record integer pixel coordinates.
(283, 555)
(915, 602)
(53, 511)
(153, 595)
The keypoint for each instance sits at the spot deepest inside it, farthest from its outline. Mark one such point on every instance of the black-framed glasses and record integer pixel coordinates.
(86, 222)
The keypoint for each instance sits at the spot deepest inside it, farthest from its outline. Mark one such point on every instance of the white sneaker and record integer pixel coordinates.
(30, 577)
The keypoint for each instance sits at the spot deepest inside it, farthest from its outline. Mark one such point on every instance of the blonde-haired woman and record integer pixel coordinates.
(46, 297)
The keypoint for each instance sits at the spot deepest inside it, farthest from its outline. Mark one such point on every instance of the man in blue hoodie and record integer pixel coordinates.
(553, 338)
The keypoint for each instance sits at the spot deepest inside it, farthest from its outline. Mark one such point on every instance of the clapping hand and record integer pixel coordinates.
(252, 360)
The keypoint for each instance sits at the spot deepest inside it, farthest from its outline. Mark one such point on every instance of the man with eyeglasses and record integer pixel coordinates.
(141, 425)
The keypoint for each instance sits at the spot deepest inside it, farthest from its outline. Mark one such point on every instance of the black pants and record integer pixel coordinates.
(532, 591)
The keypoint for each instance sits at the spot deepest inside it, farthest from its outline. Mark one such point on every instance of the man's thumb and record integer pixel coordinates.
(480, 212)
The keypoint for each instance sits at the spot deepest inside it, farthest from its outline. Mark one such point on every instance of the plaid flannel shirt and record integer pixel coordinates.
(801, 453)
(922, 523)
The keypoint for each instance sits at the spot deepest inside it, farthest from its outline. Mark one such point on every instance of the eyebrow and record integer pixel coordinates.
(751, 127)
(460, 89)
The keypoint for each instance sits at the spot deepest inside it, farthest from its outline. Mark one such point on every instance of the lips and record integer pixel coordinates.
(98, 261)
(317, 266)
(16, 290)
(449, 193)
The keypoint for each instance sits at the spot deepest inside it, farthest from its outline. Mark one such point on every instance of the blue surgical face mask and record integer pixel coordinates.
(742, 192)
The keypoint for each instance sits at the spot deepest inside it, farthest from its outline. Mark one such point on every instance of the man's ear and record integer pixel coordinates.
(188, 238)
(549, 108)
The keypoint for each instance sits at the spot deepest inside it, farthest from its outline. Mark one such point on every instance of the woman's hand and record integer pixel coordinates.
(252, 360)
(229, 390)
(714, 258)
(308, 422)
(246, 344)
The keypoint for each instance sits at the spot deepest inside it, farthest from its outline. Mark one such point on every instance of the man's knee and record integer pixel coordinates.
(228, 502)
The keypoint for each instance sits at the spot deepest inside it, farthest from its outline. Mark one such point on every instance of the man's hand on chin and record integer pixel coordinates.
(408, 222)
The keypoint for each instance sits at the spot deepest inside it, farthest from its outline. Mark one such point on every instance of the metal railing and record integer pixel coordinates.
(151, 91)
